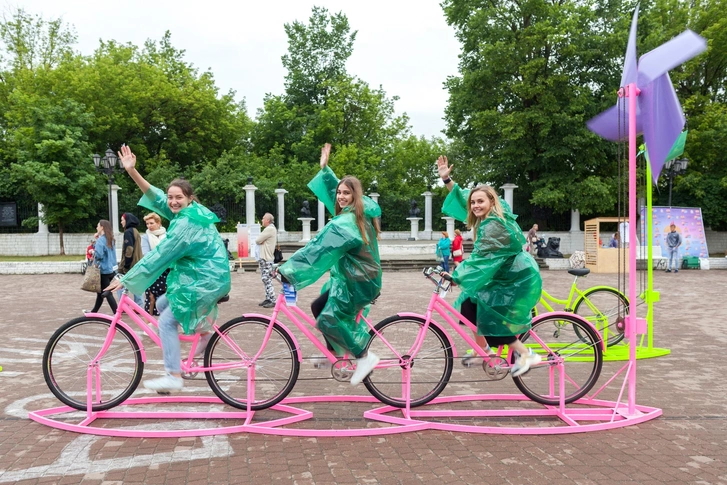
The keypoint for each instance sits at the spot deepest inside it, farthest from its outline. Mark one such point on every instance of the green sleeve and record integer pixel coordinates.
(311, 262)
(172, 248)
(156, 201)
(324, 186)
(490, 252)
(455, 205)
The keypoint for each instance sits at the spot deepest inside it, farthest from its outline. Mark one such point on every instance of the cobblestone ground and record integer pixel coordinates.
(686, 445)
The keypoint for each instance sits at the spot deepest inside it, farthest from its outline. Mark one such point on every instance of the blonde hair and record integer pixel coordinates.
(444, 233)
(495, 206)
(354, 185)
(154, 216)
(458, 232)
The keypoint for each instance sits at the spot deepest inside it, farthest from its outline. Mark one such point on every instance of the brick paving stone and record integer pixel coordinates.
(685, 445)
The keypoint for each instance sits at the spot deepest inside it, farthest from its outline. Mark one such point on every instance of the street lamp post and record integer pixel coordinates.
(107, 166)
(673, 168)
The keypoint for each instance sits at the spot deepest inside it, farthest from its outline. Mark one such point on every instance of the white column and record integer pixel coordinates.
(42, 226)
(249, 202)
(115, 208)
(280, 222)
(306, 228)
(321, 216)
(414, 227)
(509, 188)
(575, 221)
(450, 226)
(427, 214)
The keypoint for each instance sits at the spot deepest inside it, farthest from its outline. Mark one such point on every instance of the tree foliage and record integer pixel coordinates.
(531, 74)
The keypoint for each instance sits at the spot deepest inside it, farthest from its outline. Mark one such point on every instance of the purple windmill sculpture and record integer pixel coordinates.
(658, 112)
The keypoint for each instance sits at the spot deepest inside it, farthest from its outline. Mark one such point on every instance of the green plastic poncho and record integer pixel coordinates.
(355, 267)
(499, 276)
(193, 249)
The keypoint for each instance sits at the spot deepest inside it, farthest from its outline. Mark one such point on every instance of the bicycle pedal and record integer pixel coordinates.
(472, 362)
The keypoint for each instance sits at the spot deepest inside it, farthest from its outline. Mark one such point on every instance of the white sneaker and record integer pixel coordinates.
(202, 345)
(165, 384)
(364, 366)
(523, 364)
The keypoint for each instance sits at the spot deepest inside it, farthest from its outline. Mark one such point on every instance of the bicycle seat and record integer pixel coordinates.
(224, 299)
(579, 271)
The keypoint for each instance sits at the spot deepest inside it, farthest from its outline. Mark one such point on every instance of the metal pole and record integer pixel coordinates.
(671, 177)
(111, 182)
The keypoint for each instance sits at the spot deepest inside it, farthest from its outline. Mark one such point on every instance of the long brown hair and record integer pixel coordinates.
(495, 206)
(354, 185)
(108, 231)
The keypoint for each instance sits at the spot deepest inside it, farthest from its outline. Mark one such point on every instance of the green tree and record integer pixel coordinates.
(531, 74)
(317, 53)
(50, 142)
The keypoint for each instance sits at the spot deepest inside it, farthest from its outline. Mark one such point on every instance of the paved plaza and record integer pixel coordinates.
(685, 445)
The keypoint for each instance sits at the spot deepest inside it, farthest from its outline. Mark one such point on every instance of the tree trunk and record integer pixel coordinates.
(60, 237)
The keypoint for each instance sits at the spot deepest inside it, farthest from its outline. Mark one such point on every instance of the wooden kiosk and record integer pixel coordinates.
(601, 259)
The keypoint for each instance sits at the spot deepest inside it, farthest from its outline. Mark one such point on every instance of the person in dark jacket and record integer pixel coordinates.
(131, 250)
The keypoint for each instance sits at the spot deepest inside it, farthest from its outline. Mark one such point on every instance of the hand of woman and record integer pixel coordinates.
(115, 285)
(127, 158)
(325, 153)
(443, 167)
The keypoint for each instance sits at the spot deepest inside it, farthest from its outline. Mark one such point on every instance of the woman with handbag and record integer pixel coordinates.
(457, 250)
(104, 258)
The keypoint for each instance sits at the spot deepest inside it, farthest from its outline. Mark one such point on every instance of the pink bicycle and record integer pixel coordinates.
(420, 363)
(99, 358)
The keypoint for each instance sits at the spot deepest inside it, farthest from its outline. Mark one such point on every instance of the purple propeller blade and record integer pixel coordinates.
(658, 112)
(630, 69)
(662, 120)
(669, 55)
(606, 124)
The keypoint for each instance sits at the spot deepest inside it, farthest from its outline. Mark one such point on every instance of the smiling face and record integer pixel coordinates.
(480, 204)
(344, 196)
(176, 200)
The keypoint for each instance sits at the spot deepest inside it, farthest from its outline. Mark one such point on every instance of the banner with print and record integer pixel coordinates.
(689, 224)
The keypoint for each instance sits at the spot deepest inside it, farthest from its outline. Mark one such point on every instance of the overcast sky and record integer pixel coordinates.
(403, 45)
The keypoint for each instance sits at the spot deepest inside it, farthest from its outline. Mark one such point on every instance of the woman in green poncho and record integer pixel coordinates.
(200, 271)
(500, 282)
(346, 246)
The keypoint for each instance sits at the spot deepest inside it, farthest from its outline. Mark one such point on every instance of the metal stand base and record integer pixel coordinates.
(584, 416)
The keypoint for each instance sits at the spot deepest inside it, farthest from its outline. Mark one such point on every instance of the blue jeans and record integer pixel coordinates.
(169, 333)
(445, 263)
(673, 256)
(137, 299)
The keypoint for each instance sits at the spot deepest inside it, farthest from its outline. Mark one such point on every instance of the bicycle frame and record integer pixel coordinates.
(569, 303)
(304, 322)
(127, 306)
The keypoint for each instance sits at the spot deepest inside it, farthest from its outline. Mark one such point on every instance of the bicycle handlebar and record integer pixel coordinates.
(428, 272)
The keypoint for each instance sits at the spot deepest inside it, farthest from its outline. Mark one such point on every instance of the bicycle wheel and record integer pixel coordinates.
(276, 368)
(611, 307)
(577, 344)
(430, 369)
(71, 349)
